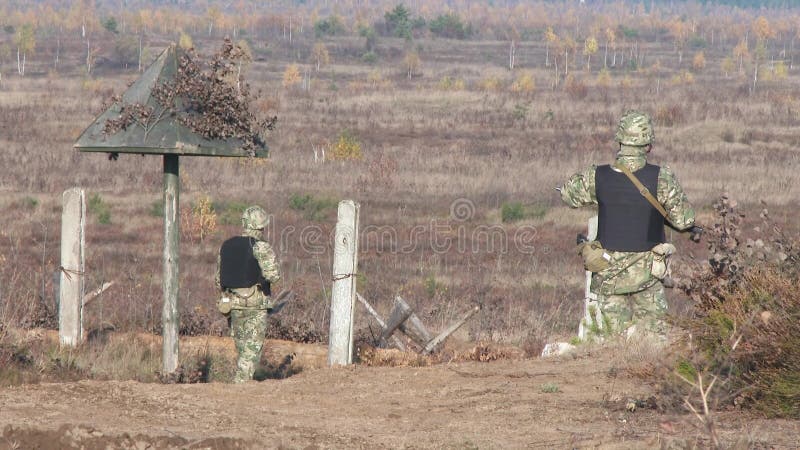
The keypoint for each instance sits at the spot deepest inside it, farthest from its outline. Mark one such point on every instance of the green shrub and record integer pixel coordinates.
(30, 202)
(156, 209)
(99, 208)
(432, 286)
(330, 26)
(516, 211)
(369, 58)
(229, 213)
(315, 209)
(550, 388)
(512, 212)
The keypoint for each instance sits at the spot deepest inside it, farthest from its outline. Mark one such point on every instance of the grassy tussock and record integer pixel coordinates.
(32, 357)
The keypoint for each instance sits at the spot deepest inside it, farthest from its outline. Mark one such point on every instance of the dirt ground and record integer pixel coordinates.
(563, 402)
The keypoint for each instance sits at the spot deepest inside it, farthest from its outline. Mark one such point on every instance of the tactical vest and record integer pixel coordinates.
(626, 221)
(238, 266)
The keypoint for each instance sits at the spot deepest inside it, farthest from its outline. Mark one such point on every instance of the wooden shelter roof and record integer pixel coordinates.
(166, 135)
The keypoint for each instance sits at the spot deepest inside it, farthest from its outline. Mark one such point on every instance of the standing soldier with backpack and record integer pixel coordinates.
(635, 201)
(246, 267)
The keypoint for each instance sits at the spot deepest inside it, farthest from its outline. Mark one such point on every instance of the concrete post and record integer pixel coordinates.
(169, 316)
(71, 283)
(590, 300)
(343, 294)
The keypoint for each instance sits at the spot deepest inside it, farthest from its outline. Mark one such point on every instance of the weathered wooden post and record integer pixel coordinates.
(343, 294)
(71, 283)
(589, 299)
(169, 314)
(161, 126)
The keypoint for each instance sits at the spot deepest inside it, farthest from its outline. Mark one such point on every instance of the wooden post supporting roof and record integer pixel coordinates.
(169, 314)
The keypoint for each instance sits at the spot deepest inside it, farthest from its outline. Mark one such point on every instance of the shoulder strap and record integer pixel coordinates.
(642, 189)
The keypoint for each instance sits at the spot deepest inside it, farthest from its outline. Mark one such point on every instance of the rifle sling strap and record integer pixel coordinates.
(642, 190)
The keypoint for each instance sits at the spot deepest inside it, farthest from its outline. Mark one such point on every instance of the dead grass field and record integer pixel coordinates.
(425, 149)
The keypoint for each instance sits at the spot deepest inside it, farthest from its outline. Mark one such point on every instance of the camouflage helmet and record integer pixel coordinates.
(635, 128)
(254, 218)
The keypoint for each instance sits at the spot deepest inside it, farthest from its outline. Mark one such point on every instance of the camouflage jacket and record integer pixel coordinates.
(264, 255)
(630, 271)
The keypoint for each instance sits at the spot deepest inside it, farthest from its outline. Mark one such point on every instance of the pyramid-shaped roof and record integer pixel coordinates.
(164, 136)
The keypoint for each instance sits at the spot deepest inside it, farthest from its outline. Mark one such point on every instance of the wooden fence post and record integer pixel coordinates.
(343, 294)
(71, 283)
(589, 299)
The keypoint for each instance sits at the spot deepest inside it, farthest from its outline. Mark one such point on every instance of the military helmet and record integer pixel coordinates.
(635, 128)
(255, 218)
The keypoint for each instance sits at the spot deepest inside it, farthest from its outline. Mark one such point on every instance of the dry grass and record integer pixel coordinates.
(423, 149)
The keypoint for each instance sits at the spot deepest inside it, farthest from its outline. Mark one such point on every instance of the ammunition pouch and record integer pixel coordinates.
(661, 253)
(224, 305)
(250, 298)
(595, 257)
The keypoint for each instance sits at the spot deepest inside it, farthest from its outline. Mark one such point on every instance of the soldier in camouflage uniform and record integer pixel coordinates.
(629, 290)
(246, 266)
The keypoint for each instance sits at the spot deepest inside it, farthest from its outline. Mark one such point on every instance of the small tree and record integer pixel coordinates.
(590, 47)
(320, 55)
(398, 21)
(551, 40)
(680, 34)
(741, 52)
(412, 63)
(727, 65)
(699, 61)
(347, 147)
(611, 39)
(330, 26)
(450, 26)
(25, 40)
(291, 76)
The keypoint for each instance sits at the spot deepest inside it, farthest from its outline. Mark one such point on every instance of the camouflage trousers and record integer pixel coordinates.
(248, 326)
(644, 310)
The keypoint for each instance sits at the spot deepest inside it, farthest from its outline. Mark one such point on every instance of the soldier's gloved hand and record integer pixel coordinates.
(695, 233)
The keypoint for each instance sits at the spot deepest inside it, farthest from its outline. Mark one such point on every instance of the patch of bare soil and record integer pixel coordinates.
(567, 402)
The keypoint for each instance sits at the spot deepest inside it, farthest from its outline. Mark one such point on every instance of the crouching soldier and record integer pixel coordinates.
(246, 266)
(635, 200)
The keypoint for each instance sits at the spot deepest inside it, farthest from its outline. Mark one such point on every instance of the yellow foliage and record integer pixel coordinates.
(590, 46)
(320, 54)
(347, 147)
(780, 70)
(524, 83)
(200, 221)
(684, 77)
(185, 41)
(489, 84)
(765, 74)
(550, 36)
(626, 82)
(452, 84)
(412, 63)
(604, 78)
(291, 76)
(375, 78)
(727, 65)
(699, 61)
(762, 29)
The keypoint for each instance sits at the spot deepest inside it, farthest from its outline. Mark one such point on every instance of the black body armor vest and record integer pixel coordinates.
(238, 266)
(627, 222)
